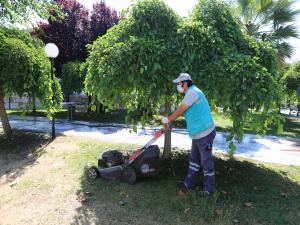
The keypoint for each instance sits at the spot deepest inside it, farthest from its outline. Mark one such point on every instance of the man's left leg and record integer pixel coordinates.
(207, 162)
(208, 169)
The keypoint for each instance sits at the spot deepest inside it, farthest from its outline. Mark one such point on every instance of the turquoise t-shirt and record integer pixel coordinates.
(198, 115)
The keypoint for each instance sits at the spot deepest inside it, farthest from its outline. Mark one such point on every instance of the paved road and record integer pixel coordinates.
(268, 149)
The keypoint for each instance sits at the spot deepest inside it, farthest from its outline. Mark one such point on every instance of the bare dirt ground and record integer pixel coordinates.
(32, 192)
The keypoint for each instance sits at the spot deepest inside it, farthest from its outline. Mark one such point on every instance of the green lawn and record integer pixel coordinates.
(272, 191)
(112, 117)
(291, 125)
(248, 192)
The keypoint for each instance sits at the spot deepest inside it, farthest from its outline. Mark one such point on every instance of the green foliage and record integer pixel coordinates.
(241, 73)
(136, 61)
(72, 77)
(217, 15)
(25, 68)
(292, 82)
(272, 20)
(23, 11)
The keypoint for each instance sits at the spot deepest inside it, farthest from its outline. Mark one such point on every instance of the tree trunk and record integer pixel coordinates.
(167, 142)
(279, 108)
(67, 97)
(99, 108)
(3, 116)
(89, 103)
(33, 104)
(9, 101)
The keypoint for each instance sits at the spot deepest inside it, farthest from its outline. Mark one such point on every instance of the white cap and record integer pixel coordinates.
(182, 77)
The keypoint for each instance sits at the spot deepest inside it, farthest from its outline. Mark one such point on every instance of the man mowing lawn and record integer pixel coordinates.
(201, 128)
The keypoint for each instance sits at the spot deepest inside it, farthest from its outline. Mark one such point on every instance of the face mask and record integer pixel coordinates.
(180, 88)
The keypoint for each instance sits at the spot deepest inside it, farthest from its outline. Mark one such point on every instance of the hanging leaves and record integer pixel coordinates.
(136, 61)
(25, 68)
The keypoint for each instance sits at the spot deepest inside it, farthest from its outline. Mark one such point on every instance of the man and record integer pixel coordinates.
(201, 129)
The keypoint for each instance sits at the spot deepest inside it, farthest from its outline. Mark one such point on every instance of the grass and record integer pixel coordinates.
(248, 192)
(291, 125)
(272, 191)
(112, 117)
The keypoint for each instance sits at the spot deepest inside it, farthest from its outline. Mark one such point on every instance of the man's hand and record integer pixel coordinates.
(164, 120)
(179, 111)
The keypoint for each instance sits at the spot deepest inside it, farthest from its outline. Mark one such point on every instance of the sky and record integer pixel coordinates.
(183, 7)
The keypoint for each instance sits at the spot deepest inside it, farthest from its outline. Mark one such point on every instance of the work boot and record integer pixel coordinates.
(181, 184)
(183, 189)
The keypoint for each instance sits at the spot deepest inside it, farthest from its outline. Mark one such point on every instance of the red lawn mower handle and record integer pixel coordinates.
(157, 135)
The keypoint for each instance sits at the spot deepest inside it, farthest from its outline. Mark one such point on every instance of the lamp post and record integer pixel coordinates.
(52, 52)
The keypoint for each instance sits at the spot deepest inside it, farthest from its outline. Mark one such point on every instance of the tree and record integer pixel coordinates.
(272, 20)
(70, 33)
(24, 69)
(292, 83)
(22, 12)
(136, 61)
(241, 74)
(72, 78)
(102, 18)
(128, 63)
(75, 30)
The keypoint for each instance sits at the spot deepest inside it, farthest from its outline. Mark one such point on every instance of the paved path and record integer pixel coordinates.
(268, 149)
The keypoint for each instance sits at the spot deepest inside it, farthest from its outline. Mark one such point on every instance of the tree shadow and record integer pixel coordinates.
(270, 192)
(19, 151)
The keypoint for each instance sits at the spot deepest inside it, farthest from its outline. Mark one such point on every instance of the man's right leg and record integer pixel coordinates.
(194, 166)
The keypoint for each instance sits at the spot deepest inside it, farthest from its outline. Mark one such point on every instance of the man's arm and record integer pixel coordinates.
(187, 101)
(178, 112)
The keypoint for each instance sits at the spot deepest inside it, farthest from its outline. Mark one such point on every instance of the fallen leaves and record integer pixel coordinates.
(258, 188)
(224, 192)
(12, 184)
(219, 212)
(182, 192)
(82, 199)
(121, 203)
(284, 195)
(186, 210)
(248, 205)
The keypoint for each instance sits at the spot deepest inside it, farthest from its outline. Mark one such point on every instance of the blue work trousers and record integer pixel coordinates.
(201, 157)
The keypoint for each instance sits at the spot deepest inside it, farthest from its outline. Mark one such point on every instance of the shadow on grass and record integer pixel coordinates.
(18, 152)
(247, 193)
(117, 116)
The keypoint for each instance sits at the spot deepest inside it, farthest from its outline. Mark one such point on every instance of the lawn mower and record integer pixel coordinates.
(144, 162)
